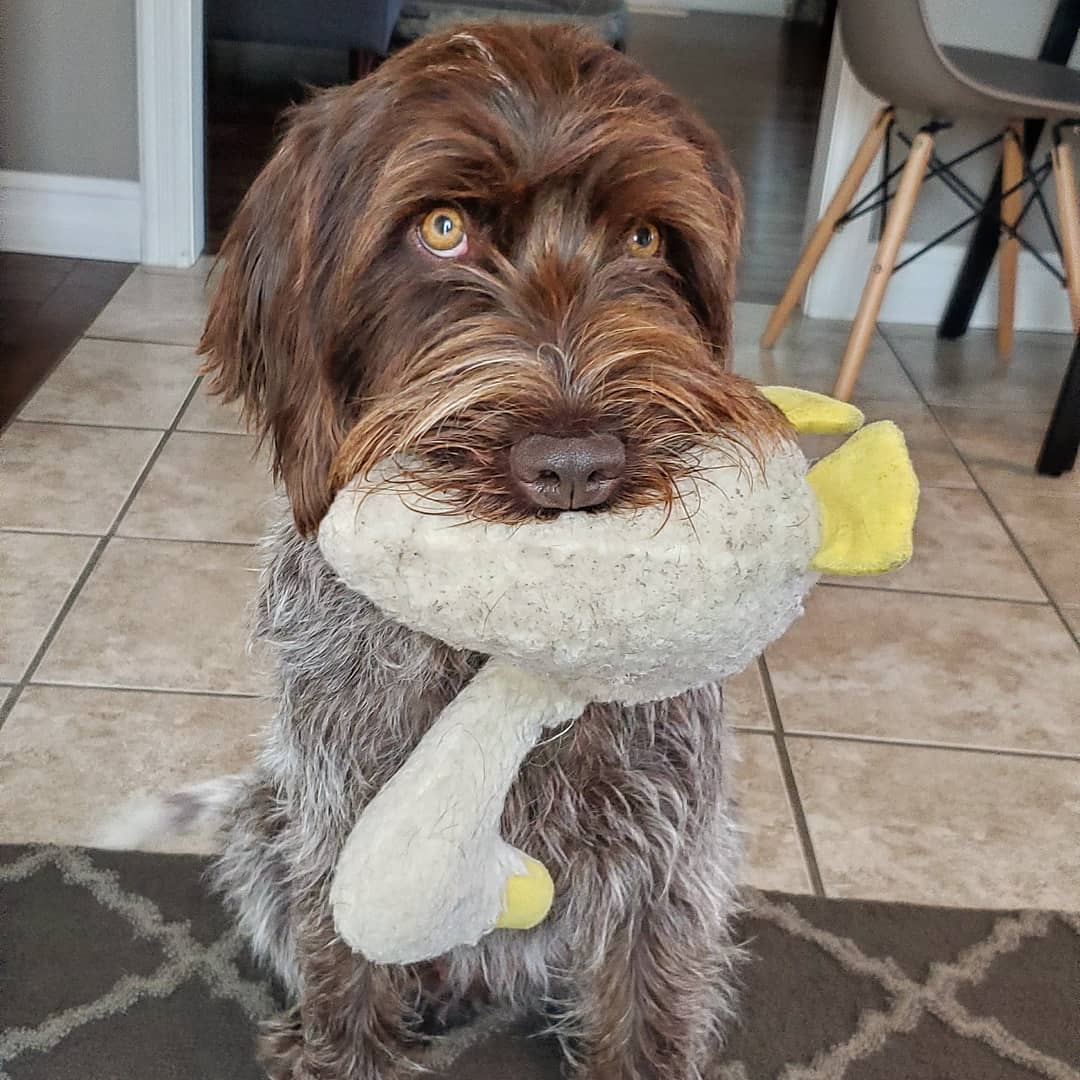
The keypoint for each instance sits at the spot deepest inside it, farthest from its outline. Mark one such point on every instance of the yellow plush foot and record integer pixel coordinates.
(527, 899)
(867, 497)
(814, 414)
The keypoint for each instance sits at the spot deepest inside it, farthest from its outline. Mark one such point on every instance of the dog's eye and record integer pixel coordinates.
(442, 232)
(643, 240)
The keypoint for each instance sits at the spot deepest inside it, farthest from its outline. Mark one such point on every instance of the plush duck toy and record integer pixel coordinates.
(559, 607)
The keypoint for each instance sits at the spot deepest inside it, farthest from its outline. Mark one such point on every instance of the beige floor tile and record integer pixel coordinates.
(774, 857)
(936, 463)
(745, 705)
(961, 548)
(929, 668)
(808, 353)
(71, 758)
(1047, 527)
(159, 614)
(207, 412)
(204, 487)
(5, 692)
(167, 308)
(1072, 617)
(116, 382)
(36, 574)
(968, 372)
(1001, 446)
(66, 478)
(941, 826)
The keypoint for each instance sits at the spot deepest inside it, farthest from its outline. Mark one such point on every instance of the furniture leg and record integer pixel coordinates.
(877, 281)
(1069, 221)
(1012, 174)
(1059, 448)
(823, 231)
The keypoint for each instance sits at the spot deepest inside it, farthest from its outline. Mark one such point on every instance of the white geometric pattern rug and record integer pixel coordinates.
(121, 966)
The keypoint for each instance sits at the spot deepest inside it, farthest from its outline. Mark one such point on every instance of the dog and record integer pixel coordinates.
(507, 254)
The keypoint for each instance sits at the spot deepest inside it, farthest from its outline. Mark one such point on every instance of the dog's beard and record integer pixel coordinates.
(637, 367)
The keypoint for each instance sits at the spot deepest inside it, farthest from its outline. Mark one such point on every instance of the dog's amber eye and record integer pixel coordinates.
(442, 232)
(643, 240)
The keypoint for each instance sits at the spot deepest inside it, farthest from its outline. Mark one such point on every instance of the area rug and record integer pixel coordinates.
(120, 966)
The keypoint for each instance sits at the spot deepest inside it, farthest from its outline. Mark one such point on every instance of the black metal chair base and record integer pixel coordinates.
(1059, 449)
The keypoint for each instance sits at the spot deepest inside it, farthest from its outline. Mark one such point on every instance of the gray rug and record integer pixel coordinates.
(117, 966)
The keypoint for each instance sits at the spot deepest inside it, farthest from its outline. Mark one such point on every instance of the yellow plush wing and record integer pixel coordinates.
(814, 414)
(867, 497)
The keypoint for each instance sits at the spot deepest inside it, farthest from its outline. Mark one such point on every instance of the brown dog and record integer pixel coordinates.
(510, 254)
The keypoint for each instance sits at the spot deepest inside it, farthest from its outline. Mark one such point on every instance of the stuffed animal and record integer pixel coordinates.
(585, 607)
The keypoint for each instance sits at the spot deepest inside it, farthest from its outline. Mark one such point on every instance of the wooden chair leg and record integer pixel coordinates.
(823, 231)
(1012, 173)
(881, 269)
(1069, 221)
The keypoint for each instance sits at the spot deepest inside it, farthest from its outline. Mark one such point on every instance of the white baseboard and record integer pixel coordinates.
(919, 293)
(81, 217)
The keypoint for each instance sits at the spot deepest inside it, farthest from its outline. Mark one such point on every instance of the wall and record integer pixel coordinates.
(68, 87)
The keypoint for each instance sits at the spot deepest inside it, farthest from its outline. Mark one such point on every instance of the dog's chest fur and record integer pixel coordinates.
(610, 803)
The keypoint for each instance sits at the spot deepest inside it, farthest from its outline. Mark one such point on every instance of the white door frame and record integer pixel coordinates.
(169, 54)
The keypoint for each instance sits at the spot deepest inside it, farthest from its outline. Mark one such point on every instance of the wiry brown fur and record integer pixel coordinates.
(348, 343)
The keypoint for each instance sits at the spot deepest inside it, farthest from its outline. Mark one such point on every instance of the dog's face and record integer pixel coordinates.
(508, 255)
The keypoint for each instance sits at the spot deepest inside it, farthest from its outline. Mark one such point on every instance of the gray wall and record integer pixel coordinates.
(68, 87)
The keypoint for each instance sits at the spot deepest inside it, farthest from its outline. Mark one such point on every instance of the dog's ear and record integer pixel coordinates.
(712, 244)
(265, 340)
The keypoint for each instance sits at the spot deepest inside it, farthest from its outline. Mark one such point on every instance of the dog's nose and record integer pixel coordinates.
(568, 474)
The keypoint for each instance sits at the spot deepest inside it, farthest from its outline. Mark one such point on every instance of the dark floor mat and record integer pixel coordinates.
(116, 966)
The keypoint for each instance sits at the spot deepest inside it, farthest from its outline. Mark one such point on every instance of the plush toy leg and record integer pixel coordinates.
(425, 868)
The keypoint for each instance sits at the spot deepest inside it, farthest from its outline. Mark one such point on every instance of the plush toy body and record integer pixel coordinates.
(558, 606)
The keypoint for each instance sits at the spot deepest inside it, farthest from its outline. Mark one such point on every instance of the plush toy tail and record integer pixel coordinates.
(144, 822)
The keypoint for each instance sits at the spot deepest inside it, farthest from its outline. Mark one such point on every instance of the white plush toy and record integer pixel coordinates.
(560, 607)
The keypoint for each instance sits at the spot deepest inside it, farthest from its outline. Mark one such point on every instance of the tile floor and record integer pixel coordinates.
(913, 737)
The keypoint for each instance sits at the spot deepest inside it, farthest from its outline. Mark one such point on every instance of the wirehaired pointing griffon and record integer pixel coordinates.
(507, 257)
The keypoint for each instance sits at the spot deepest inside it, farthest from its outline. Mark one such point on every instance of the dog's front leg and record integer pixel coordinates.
(651, 1006)
(354, 1020)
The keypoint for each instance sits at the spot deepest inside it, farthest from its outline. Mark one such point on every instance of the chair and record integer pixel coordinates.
(892, 52)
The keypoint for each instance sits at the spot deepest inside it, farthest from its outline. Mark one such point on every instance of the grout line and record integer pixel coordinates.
(19, 529)
(896, 590)
(237, 434)
(927, 744)
(235, 695)
(53, 630)
(91, 564)
(131, 536)
(192, 346)
(189, 540)
(986, 495)
(90, 424)
(794, 800)
(136, 341)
